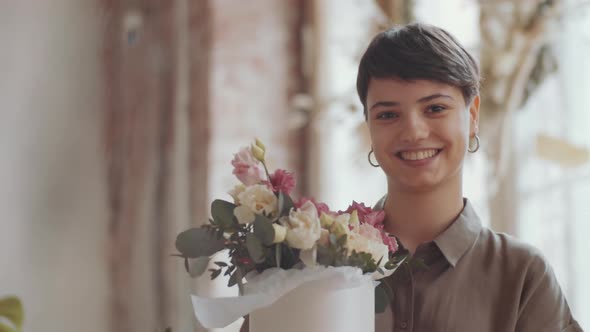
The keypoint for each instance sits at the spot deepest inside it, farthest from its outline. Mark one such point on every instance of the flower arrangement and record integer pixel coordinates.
(264, 228)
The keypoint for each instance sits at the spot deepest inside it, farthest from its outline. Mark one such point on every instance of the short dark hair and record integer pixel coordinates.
(418, 51)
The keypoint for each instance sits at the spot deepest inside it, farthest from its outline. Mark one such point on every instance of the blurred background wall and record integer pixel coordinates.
(120, 118)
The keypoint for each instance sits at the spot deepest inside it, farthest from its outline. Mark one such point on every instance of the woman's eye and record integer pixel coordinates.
(386, 115)
(436, 109)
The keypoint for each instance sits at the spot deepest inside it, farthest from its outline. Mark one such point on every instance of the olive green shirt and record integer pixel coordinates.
(475, 280)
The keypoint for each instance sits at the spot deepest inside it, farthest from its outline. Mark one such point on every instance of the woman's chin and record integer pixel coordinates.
(422, 183)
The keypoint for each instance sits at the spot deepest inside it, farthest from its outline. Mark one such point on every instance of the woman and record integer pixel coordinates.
(420, 92)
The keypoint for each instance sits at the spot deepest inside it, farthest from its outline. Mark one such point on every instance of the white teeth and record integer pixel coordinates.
(418, 155)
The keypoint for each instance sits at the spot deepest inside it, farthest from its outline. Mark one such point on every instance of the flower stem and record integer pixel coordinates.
(266, 170)
(239, 280)
(278, 254)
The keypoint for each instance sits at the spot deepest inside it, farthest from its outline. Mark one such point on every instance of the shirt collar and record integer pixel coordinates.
(459, 237)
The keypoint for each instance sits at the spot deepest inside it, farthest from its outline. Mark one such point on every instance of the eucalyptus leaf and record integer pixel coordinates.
(223, 213)
(233, 280)
(395, 261)
(263, 230)
(255, 248)
(342, 240)
(285, 204)
(11, 309)
(418, 263)
(215, 274)
(198, 242)
(198, 266)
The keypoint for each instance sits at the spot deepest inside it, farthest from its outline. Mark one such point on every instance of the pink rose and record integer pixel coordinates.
(360, 207)
(366, 214)
(375, 218)
(282, 181)
(379, 235)
(320, 207)
(370, 232)
(247, 168)
(389, 241)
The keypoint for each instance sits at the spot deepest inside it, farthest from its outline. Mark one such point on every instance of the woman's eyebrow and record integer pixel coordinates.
(434, 96)
(421, 100)
(384, 104)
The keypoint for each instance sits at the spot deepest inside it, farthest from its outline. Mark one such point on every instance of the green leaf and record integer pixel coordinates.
(11, 309)
(418, 263)
(197, 266)
(198, 242)
(255, 248)
(215, 273)
(223, 213)
(382, 298)
(233, 280)
(342, 240)
(186, 267)
(285, 204)
(229, 270)
(263, 230)
(326, 256)
(398, 258)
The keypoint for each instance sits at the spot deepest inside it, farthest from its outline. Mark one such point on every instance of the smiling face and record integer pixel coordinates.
(420, 131)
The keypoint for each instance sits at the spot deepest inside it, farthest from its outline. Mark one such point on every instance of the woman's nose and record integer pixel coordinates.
(414, 128)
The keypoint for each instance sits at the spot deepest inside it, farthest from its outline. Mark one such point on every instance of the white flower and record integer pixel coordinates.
(368, 240)
(309, 257)
(259, 199)
(280, 233)
(244, 214)
(303, 226)
(238, 189)
(340, 225)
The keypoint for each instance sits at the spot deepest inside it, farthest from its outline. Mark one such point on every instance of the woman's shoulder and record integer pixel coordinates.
(511, 251)
(522, 269)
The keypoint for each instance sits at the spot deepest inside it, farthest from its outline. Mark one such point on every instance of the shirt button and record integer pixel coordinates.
(404, 325)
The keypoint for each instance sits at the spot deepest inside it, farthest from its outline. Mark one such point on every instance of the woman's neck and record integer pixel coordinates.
(419, 217)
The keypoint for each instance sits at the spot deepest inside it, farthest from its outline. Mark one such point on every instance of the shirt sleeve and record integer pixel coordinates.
(543, 306)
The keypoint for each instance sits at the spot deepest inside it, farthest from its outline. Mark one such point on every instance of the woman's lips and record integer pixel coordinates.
(418, 155)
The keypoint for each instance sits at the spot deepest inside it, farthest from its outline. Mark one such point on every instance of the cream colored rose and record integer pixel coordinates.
(336, 224)
(259, 199)
(368, 240)
(244, 214)
(238, 189)
(303, 226)
(280, 233)
(326, 220)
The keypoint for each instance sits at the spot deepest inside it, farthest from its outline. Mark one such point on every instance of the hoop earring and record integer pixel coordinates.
(370, 161)
(474, 150)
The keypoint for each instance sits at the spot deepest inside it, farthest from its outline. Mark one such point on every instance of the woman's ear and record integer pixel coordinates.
(474, 116)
